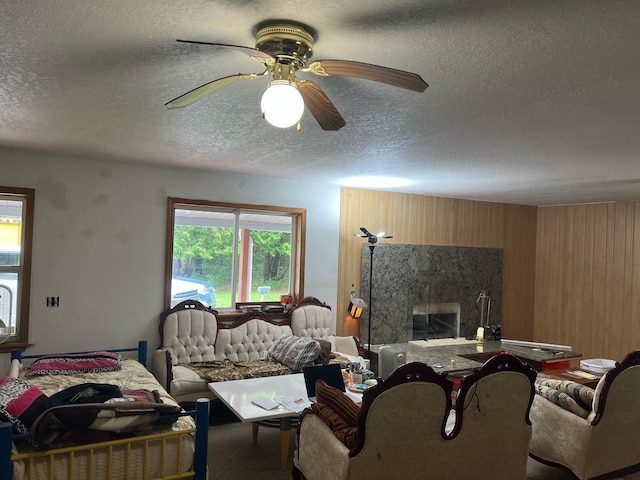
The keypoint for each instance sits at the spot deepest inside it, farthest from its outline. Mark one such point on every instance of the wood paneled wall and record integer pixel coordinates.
(588, 278)
(424, 220)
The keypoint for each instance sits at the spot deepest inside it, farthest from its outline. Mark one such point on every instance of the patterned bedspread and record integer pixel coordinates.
(156, 457)
(132, 376)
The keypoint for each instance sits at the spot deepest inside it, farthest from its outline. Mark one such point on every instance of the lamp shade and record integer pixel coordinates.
(356, 306)
(282, 105)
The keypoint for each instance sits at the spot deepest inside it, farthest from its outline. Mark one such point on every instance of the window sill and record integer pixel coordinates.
(9, 346)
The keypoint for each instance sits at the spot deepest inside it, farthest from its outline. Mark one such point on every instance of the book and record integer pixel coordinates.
(265, 403)
(580, 373)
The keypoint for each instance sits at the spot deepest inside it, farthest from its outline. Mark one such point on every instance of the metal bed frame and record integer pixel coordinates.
(200, 414)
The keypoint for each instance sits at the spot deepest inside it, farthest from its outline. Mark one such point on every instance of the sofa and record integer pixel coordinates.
(406, 427)
(603, 440)
(194, 343)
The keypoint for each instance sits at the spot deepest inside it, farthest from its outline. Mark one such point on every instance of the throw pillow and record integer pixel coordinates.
(294, 352)
(561, 399)
(325, 351)
(343, 432)
(342, 405)
(72, 363)
(580, 393)
(21, 403)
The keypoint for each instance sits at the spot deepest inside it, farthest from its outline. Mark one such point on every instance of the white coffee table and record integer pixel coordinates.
(237, 395)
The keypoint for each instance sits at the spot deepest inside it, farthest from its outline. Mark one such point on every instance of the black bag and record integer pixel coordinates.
(86, 393)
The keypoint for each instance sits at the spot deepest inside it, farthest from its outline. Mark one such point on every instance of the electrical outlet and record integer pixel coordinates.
(53, 301)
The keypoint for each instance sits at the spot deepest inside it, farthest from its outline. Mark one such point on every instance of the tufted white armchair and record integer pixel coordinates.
(187, 334)
(312, 318)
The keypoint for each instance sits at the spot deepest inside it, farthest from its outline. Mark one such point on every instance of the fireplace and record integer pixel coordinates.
(436, 320)
(437, 284)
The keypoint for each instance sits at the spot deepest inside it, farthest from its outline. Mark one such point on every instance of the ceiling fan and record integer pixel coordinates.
(285, 47)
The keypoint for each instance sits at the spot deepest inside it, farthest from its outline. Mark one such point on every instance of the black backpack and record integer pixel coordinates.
(86, 393)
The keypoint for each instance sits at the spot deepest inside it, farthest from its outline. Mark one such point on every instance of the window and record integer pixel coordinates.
(16, 229)
(226, 254)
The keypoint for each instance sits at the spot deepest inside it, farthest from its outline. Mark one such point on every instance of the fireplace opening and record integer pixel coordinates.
(434, 325)
(436, 320)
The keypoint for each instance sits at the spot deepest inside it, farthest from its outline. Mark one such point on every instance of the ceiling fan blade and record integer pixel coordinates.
(390, 76)
(322, 109)
(254, 53)
(208, 88)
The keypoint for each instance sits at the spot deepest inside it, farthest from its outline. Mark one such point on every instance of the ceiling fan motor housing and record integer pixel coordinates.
(288, 42)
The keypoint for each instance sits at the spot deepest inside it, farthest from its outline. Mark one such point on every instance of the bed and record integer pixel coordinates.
(160, 440)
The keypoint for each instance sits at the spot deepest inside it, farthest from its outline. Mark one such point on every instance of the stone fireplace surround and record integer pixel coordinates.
(407, 278)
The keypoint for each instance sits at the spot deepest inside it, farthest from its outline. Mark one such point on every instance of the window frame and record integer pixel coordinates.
(27, 196)
(297, 249)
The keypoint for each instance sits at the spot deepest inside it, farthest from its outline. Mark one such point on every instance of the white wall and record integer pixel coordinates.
(99, 242)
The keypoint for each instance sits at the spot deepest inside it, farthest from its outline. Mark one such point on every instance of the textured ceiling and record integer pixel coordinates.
(530, 102)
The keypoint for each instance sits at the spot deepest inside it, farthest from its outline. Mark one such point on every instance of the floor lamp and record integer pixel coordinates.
(372, 239)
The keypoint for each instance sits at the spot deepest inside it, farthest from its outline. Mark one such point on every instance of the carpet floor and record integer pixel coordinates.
(232, 457)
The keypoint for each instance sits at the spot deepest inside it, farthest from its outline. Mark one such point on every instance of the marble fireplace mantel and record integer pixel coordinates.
(407, 278)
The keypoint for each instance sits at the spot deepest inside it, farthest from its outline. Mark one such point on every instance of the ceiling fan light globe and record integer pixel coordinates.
(282, 105)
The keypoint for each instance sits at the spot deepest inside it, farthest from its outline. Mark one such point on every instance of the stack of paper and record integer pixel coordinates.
(295, 403)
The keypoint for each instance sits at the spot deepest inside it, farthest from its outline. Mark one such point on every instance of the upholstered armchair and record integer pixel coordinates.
(406, 428)
(399, 432)
(312, 318)
(604, 442)
(492, 427)
(187, 334)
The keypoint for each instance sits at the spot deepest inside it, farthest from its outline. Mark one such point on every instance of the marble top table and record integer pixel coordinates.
(452, 356)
